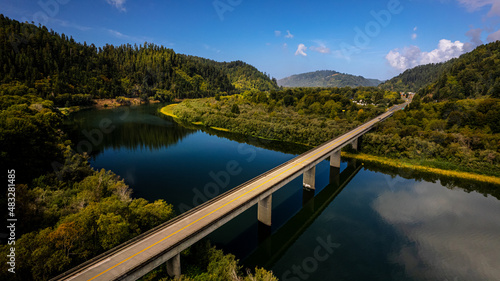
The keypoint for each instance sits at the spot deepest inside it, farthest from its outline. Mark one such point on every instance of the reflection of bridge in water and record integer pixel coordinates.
(272, 247)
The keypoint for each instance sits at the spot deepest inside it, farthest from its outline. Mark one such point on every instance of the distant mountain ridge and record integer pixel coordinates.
(327, 78)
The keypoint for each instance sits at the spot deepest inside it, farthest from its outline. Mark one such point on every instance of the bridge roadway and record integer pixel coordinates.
(137, 257)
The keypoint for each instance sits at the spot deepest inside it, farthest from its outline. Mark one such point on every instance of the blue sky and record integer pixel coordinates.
(372, 38)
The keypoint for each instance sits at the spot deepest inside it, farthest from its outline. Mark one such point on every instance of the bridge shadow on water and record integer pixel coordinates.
(294, 210)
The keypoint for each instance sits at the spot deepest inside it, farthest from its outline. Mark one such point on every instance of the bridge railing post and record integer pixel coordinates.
(264, 210)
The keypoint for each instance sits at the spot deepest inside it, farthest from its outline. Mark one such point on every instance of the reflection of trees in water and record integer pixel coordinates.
(140, 129)
(279, 146)
(139, 136)
(448, 182)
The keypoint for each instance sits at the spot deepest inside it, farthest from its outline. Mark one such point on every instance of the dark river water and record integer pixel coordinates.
(366, 222)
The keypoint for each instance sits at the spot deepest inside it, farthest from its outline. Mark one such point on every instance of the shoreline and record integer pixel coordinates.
(405, 165)
(168, 110)
(112, 103)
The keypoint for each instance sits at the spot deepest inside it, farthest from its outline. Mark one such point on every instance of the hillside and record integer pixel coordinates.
(53, 65)
(326, 78)
(474, 74)
(414, 79)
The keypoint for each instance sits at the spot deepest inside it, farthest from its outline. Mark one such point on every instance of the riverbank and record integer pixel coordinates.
(404, 164)
(398, 163)
(169, 110)
(112, 103)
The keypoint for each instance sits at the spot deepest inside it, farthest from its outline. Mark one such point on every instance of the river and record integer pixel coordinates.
(367, 222)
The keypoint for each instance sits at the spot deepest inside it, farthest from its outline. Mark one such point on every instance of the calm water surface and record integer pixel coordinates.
(365, 223)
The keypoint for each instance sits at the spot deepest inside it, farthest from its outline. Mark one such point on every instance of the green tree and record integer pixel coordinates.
(235, 109)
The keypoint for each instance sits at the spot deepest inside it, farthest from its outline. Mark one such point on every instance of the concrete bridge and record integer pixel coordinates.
(164, 243)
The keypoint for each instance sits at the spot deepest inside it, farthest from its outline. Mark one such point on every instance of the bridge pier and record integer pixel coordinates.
(174, 266)
(264, 210)
(354, 144)
(335, 159)
(310, 178)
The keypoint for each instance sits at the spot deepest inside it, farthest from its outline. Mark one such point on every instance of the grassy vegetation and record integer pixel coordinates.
(274, 120)
(169, 110)
(408, 164)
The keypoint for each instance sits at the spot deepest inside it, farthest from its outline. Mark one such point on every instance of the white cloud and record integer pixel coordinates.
(289, 35)
(120, 35)
(475, 36)
(285, 45)
(69, 24)
(439, 223)
(301, 50)
(495, 36)
(277, 33)
(412, 56)
(321, 49)
(414, 35)
(117, 33)
(210, 48)
(474, 5)
(119, 4)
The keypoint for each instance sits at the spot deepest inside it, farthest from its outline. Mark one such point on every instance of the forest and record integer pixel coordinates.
(307, 116)
(55, 67)
(472, 75)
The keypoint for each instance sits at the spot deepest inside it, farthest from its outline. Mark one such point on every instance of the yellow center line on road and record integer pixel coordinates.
(226, 204)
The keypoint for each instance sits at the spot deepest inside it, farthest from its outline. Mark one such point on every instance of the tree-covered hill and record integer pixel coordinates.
(474, 74)
(53, 65)
(326, 78)
(246, 77)
(414, 79)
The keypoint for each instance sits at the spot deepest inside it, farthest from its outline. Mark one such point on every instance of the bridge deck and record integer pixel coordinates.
(178, 234)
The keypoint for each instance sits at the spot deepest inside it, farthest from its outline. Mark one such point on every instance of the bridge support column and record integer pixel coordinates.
(354, 144)
(174, 266)
(335, 159)
(310, 178)
(264, 210)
